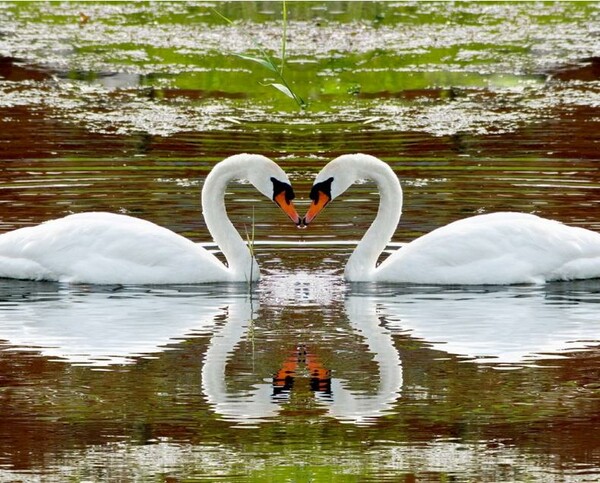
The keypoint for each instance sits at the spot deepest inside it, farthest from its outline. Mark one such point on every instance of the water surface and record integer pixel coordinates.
(302, 377)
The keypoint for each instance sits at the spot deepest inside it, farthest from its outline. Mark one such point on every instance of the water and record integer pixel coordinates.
(477, 108)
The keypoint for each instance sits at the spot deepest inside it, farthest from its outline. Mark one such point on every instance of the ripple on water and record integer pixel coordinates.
(477, 108)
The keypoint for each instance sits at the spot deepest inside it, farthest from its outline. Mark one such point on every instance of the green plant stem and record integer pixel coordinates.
(283, 40)
(250, 243)
(268, 62)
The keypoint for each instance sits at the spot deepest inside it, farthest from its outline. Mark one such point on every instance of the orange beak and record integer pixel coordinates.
(287, 207)
(316, 207)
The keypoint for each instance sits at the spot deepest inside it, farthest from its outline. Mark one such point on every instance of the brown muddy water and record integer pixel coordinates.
(302, 377)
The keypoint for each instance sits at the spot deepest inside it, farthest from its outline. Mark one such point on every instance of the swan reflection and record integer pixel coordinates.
(342, 363)
(335, 394)
(102, 325)
(500, 325)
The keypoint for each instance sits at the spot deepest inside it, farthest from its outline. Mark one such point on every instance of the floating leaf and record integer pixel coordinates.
(265, 63)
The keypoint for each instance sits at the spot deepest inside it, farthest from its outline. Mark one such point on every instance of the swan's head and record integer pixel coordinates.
(335, 178)
(268, 178)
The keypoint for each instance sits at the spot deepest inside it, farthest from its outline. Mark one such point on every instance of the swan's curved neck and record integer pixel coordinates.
(241, 264)
(362, 263)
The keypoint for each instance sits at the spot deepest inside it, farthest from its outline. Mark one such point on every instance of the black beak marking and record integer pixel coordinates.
(323, 186)
(279, 186)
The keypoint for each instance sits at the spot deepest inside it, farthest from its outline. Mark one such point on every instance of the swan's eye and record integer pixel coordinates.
(321, 187)
(281, 187)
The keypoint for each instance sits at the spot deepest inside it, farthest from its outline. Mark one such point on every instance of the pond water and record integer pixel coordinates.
(125, 107)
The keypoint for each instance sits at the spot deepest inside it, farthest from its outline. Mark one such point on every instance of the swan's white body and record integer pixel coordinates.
(104, 248)
(497, 248)
(107, 248)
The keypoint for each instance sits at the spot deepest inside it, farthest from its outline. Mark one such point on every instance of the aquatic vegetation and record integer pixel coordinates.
(427, 68)
(268, 61)
(250, 239)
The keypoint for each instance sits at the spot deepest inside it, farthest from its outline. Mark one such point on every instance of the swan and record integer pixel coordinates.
(498, 248)
(109, 248)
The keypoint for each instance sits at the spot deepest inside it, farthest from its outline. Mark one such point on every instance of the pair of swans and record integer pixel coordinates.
(105, 248)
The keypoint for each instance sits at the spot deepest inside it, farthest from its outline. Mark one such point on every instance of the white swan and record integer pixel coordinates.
(497, 248)
(107, 248)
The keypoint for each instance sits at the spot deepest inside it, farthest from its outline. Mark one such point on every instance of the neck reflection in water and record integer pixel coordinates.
(502, 326)
(320, 348)
(313, 376)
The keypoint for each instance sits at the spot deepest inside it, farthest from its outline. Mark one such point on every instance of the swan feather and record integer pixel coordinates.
(102, 248)
(496, 248)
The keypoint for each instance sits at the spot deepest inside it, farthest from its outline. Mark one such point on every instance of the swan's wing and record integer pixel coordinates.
(105, 248)
(498, 248)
